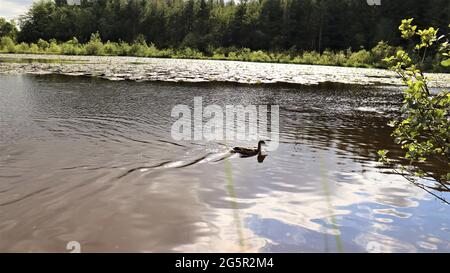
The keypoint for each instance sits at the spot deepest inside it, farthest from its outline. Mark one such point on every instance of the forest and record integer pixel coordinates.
(255, 24)
(218, 27)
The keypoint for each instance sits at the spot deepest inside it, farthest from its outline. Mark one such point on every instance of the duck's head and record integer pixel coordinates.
(260, 143)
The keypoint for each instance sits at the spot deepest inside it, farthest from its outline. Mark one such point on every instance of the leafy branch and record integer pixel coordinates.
(423, 128)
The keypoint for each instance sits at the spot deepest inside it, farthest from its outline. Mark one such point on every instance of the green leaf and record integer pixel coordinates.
(445, 63)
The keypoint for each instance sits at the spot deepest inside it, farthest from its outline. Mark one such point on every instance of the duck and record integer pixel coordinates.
(248, 152)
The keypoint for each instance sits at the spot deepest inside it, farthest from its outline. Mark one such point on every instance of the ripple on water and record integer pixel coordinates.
(94, 161)
(376, 243)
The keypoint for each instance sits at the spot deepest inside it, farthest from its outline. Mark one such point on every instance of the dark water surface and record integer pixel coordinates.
(93, 161)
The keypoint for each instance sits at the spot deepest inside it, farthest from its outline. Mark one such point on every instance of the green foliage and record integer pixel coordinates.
(307, 58)
(43, 45)
(259, 56)
(95, 45)
(407, 29)
(423, 130)
(427, 37)
(7, 29)
(122, 48)
(188, 53)
(71, 47)
(359, 59)
(288, 31)
(266, 25)
(54, 47)
(380, 52)
(7, 44)
(445, 53)
(22, 48)
(114, 49)
(141, 48)
(33, 49)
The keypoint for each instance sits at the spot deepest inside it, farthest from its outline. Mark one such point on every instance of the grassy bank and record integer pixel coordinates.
(362, 58)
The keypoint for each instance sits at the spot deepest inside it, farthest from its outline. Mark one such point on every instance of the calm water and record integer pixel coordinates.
(93, 161)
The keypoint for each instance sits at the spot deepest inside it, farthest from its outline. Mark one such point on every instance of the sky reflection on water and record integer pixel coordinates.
(68, 145)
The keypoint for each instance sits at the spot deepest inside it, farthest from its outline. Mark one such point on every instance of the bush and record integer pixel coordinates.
(71, 47)
(340, 58)
(34, 49)
(22, 48)
(360, 58)
(123, 49)
(42, 44)
(218, 56)
(309, 58)
(112, 49)
(167, 53)
(259, 56)
(138, 49)
(152, 51)
(53, 48)
(7, 44)
(94, 46)
(189, 53)
(381, 51)
(327, 58)
(281, 58)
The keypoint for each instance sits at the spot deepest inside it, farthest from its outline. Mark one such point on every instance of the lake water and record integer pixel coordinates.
(91, 160)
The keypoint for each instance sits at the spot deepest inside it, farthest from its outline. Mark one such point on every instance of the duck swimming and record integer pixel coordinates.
(248, 152)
